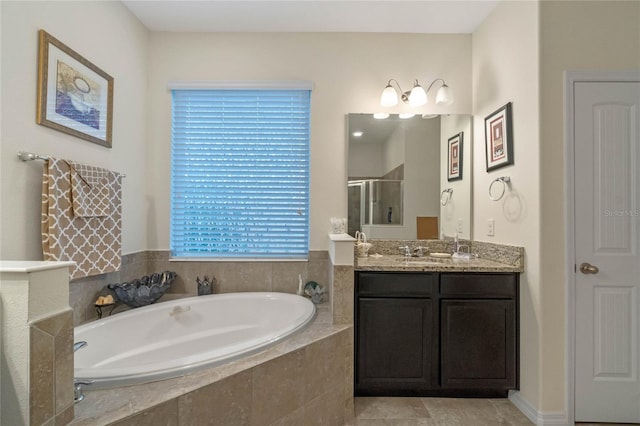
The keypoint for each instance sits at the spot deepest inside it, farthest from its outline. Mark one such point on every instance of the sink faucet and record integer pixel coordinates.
(407, 251)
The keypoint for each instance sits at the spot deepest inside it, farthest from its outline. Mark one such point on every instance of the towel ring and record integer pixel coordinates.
(445, 196)
(505, 181)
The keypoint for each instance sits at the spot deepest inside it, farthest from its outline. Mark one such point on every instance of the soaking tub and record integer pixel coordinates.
(174, 338)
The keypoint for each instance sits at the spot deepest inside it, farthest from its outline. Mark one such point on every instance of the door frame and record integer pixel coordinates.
(570, 78)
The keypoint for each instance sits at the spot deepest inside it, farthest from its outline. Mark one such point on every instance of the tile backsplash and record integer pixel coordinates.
(230, 277)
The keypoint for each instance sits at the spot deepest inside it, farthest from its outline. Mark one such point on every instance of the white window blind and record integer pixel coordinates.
(240, 173)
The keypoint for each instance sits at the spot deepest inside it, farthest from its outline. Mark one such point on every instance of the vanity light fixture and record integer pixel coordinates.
(405, 115)
(357, 134)
(380, 115)
(417, 96)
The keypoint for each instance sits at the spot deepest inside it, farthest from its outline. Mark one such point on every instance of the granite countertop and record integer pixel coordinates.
(431, 264)
(384, 255)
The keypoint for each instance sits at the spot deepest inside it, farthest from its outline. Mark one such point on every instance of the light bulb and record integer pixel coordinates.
(380, 115)
(389, 97)
(444, 95)
(418, 96)
(405, 115)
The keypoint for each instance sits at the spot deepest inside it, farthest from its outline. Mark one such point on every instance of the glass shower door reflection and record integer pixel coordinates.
(374, 202)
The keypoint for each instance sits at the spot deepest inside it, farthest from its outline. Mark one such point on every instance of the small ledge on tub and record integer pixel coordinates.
(341, 237)
(341, 249)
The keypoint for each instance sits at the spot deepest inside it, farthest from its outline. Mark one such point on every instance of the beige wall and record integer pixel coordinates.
(115, 42)
(505, 69)
(580, 35)
(349, 72)
(459, 206)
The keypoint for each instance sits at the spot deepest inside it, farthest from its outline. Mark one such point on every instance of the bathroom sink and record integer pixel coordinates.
(420, 261)
(463, 256)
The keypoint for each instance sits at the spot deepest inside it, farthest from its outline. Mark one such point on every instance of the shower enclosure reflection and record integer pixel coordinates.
(374, 202)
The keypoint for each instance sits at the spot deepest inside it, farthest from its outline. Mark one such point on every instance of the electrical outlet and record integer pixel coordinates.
(460, 228)
(491, 227)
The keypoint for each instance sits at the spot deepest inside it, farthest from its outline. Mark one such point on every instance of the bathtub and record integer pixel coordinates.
(174, 338)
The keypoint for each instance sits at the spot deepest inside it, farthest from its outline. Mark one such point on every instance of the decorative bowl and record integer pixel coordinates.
(143, 291)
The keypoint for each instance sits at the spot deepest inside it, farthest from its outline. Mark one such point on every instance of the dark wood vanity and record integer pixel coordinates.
(436, 333)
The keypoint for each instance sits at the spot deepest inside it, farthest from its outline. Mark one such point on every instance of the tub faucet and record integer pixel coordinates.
(77, 389)
(77, 384)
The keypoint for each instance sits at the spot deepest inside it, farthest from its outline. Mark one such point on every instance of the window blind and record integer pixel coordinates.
(240, 173)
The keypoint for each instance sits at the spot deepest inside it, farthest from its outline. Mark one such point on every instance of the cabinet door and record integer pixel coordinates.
(394, 341)
(478, 344)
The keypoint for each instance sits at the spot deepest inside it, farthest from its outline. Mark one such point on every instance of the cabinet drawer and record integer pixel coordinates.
(479, 285)
(395, 284)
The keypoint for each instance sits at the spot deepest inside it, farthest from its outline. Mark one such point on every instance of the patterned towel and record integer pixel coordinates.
(94, 243)
(91, 192)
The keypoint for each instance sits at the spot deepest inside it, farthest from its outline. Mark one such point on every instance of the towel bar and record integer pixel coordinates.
(30, 156)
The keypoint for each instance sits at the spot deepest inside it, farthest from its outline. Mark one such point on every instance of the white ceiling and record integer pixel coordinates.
(394, 16)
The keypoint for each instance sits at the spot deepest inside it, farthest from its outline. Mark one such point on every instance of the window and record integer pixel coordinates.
(240, 173)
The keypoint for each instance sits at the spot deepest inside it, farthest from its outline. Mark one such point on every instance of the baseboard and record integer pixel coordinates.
(556, 418)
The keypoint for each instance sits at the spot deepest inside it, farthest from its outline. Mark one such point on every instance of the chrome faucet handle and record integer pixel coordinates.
(406, 249)
(418, 251)
(77, 389)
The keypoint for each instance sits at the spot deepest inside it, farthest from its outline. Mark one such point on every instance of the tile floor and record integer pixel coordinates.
(379, 411)
(386, 411)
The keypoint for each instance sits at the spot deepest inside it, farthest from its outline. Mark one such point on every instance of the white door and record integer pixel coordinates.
(607, 251)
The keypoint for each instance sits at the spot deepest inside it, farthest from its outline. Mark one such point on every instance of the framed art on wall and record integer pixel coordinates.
(454, 157)
(499, 138)
(74, 95)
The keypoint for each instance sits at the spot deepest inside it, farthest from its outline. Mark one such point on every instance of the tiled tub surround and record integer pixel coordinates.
(490, 257)
(341, 249)
(230, 276)
(51, 370)
(37, 337)
(342, 294)
(305, 380)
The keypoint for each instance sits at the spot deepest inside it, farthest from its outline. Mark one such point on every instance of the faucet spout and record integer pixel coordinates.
(407, 251)
(77, 389)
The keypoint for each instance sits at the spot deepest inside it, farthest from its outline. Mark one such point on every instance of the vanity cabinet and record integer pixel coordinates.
(395, 351)
(436, 334)
(478, 331)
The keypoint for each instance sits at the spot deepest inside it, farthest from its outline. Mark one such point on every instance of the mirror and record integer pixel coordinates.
(398, 177)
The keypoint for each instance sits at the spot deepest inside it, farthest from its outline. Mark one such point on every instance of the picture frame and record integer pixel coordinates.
(74, 95)
(498, 131)
(454, 157)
